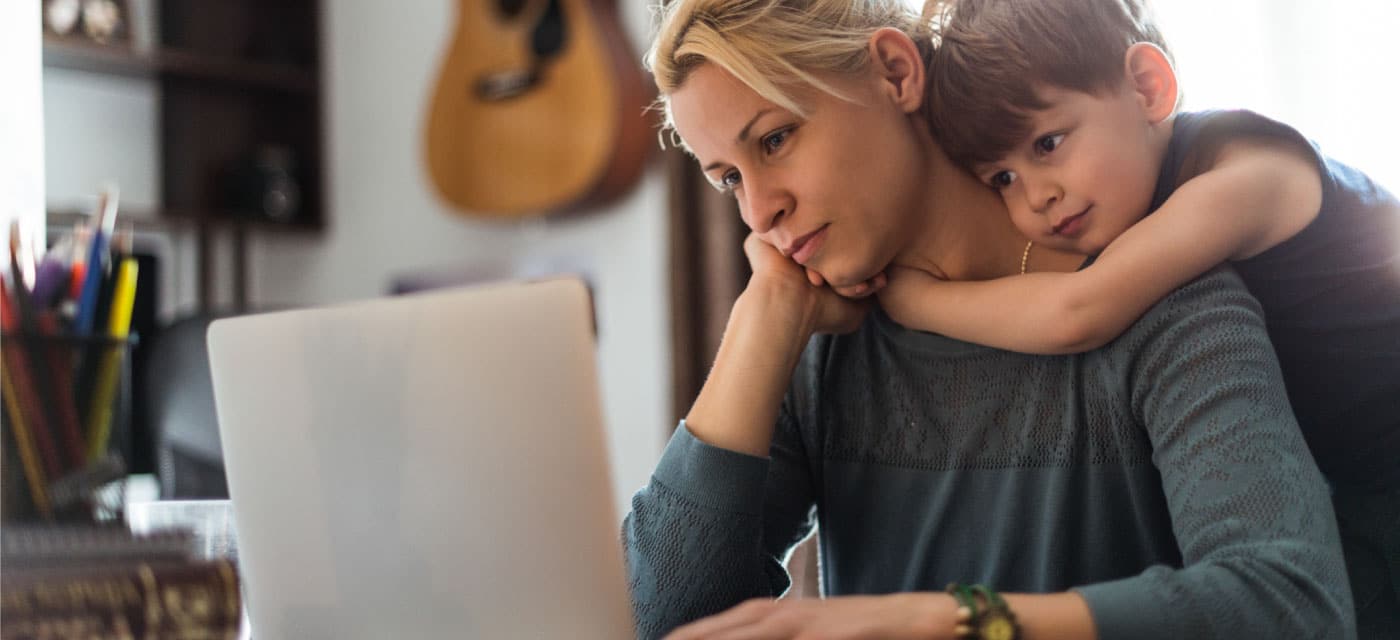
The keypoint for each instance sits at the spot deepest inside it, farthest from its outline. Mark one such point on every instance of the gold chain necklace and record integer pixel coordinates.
(1025, 255)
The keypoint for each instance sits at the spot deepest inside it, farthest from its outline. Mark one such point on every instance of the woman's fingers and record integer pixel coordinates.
(815, 278)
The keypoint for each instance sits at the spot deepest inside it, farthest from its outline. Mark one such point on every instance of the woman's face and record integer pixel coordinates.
(838, 192)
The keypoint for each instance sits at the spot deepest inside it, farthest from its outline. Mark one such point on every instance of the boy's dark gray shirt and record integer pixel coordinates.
(1331, 298)
(929, 460)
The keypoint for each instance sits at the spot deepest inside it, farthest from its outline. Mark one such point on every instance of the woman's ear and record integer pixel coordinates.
(1152, 78)
(895, 61)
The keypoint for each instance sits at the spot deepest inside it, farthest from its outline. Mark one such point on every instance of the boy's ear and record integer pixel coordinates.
(1152, 78)
(895, 60)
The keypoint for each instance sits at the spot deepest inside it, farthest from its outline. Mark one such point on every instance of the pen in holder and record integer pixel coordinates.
(66, 403)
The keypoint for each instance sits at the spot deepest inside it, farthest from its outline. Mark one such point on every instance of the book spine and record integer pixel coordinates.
(193, 600)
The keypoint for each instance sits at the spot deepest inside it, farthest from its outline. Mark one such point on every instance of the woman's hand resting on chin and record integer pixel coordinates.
(825, 309)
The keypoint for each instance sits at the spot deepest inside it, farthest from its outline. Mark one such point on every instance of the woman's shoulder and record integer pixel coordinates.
(1209, 316)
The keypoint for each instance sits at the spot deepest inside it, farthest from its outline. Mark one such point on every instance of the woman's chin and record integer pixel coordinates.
(847, 275)
(840, 280)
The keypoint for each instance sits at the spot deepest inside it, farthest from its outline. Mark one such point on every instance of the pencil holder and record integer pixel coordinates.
(66, 427)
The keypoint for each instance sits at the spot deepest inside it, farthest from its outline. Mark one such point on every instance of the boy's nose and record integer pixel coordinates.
(1042, 194)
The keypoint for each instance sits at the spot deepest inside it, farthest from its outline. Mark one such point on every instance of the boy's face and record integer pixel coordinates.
(1086, 173)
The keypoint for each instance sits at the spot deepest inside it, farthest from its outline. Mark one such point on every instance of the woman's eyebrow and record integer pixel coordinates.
(744, 133)
(741, 138)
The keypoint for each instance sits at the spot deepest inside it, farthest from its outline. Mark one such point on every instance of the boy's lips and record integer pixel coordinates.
(1071, 225)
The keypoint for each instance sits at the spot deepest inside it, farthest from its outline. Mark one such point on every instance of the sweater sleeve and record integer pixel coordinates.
(712, 528)
(1249, 508)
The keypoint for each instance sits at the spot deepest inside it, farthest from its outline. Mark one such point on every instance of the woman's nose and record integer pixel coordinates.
(763, 207)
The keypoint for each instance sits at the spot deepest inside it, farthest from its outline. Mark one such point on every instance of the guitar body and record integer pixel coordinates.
(538, 108)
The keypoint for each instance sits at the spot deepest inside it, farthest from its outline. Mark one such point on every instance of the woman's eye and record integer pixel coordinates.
(774, 141)
(729, 180)
(1047, 144)
(1002, 179)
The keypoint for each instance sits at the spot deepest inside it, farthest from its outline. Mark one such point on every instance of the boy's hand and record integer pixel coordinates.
(855, 291)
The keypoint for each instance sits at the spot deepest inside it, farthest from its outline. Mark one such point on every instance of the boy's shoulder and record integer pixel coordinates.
(1198, 137)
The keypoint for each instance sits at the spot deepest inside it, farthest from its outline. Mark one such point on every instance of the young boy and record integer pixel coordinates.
(1068, 109)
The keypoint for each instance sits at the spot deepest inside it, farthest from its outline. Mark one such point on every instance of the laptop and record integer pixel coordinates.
(429, 466)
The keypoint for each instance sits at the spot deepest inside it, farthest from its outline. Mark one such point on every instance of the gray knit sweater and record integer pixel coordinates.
(1163, 477)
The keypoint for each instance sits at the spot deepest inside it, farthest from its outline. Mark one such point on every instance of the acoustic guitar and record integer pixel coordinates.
(539, 107)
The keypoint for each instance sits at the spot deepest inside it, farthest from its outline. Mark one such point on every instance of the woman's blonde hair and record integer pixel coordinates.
(775, 47)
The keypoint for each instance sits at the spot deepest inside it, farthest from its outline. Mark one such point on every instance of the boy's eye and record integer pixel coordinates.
(1046, 144)
(1002, 179)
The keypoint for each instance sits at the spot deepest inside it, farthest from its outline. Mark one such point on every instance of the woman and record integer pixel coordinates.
(1157, 487)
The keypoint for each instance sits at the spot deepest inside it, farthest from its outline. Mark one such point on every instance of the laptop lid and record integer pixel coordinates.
(425, 466)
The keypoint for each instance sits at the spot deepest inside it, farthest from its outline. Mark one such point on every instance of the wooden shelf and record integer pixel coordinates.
(81, 55)
(233, 220)
(72, 53)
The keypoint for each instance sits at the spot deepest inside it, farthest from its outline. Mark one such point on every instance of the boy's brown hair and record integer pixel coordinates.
(994, 54)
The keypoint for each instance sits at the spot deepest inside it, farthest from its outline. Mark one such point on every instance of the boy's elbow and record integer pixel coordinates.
(1079, 330)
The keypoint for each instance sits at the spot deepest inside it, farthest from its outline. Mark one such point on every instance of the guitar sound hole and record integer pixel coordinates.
(550, 33)
(511, 8)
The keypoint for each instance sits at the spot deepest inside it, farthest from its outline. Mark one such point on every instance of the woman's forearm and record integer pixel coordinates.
(898, 616)
(738, 404)
(1054, 616)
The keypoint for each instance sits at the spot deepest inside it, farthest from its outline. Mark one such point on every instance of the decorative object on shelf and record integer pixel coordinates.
(62, 16)
(105, 22)
(264, 185)
(539, 107)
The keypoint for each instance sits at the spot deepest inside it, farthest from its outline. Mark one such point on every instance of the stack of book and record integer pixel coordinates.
(104, 582)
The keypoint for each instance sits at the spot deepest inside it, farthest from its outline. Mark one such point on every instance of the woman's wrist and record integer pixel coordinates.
(788, 309)
(738, 404)
(982, 614)
(1051, 615)
(934, 618)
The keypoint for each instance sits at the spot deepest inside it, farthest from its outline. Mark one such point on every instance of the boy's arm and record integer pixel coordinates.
(1255, 195)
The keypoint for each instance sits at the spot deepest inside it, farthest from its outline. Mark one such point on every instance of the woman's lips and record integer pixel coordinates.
(806, 246)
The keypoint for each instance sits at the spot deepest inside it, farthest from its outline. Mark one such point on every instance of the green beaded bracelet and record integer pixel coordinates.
(993, 621)
(966, 612)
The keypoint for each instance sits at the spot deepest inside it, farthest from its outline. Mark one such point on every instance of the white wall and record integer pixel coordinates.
(21, 120)
(385, 221)
(104, 128)
(1326, 68)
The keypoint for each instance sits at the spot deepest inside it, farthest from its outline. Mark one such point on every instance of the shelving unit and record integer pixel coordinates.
(238, 80)
(81, 55)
